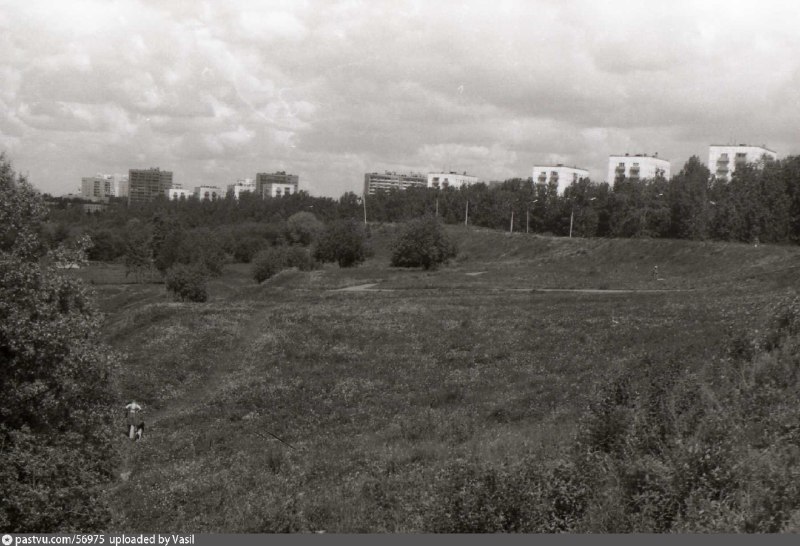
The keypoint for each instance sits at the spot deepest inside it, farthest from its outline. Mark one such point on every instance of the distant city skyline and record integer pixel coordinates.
(217, 91)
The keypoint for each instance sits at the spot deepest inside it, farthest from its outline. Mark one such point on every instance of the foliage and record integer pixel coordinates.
(422, 243)
(299, 257)
(187, 282)
(55, 391)
(303, 228)
(269, 262)
(343, 242)
(106, 246)
(138, 249)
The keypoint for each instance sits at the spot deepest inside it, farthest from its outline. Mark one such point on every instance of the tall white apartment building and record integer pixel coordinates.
(246, 185)
(637, 167)
(723, 159)
(558, 174)
(450, 180)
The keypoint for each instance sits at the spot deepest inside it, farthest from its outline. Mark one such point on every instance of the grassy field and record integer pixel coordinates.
(379, 393)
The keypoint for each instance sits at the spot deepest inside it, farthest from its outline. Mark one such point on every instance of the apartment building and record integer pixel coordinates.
(724, 158)
(144, 185)
(209, 193)
(558, 174)
(243, 185)
(451, 179)
(375, 182)
(637, 167)
(276, 184)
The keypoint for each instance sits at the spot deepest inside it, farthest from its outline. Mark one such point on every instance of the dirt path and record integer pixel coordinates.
(369, 288)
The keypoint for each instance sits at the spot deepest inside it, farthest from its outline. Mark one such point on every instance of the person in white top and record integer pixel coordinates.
(133, 416)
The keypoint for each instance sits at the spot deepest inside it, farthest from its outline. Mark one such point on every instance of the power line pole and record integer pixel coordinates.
(571, 217)
(466, 214)
(511, 226)
(364, 201)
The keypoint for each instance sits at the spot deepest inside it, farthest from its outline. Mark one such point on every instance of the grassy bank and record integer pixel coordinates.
(379, 394)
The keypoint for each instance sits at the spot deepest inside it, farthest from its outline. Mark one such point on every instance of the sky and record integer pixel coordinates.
(216, 91)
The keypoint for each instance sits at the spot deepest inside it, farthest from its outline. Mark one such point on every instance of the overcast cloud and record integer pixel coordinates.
(216, 91)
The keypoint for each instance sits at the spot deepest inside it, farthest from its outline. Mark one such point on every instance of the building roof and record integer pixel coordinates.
(742, 146)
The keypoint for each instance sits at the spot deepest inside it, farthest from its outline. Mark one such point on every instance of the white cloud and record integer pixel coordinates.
(216, 91)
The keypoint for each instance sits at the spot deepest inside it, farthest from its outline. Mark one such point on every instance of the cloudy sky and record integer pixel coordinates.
(216, 91)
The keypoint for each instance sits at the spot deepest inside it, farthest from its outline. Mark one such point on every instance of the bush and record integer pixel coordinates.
(299, 257)
(268, 262)
(187, 282)
(303, 228)
(422, 243)
(201, 246)
(344, 242)
(245, 248)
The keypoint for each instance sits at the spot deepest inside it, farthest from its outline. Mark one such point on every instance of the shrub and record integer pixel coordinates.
(299, 257)
(303, 228)
(422, 243)
(344, 242)
(245, 248)
(187, 282)
(268, 262)
(474, 498)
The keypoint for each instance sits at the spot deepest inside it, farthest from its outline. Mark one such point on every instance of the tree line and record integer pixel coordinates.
(760, 202)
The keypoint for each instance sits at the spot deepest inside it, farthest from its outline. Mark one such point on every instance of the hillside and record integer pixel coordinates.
(378, 394)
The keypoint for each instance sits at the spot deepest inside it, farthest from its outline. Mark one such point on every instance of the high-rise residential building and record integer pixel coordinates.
(637, 167)
(144, 185)
(120, 185)
(98, 187)
(246, 185)
(723, 159)
(558, 174)
(450, 180)
(375, 182)
(102, 186)
(276, 184)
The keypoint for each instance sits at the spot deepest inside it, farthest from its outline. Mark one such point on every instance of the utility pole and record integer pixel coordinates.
(527, 220)
(571, 217)
(437, 206)
(364, 201)
(466, 214)
(511, 227)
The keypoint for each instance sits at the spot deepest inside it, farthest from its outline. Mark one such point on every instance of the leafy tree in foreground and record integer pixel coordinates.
(343, 242)
(422, 243)
(56, 419)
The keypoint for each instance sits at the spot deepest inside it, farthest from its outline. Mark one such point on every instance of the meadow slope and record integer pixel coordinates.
(378, 393)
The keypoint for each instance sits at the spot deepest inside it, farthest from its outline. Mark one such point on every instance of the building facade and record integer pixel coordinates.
(637, 167)
(209, 193)
(450, 180)
(375, 182)
(178, 194)
(144, 185)
(276, 184)
(723, 159)
(558, 174)
(243, 185)
(97, 188)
